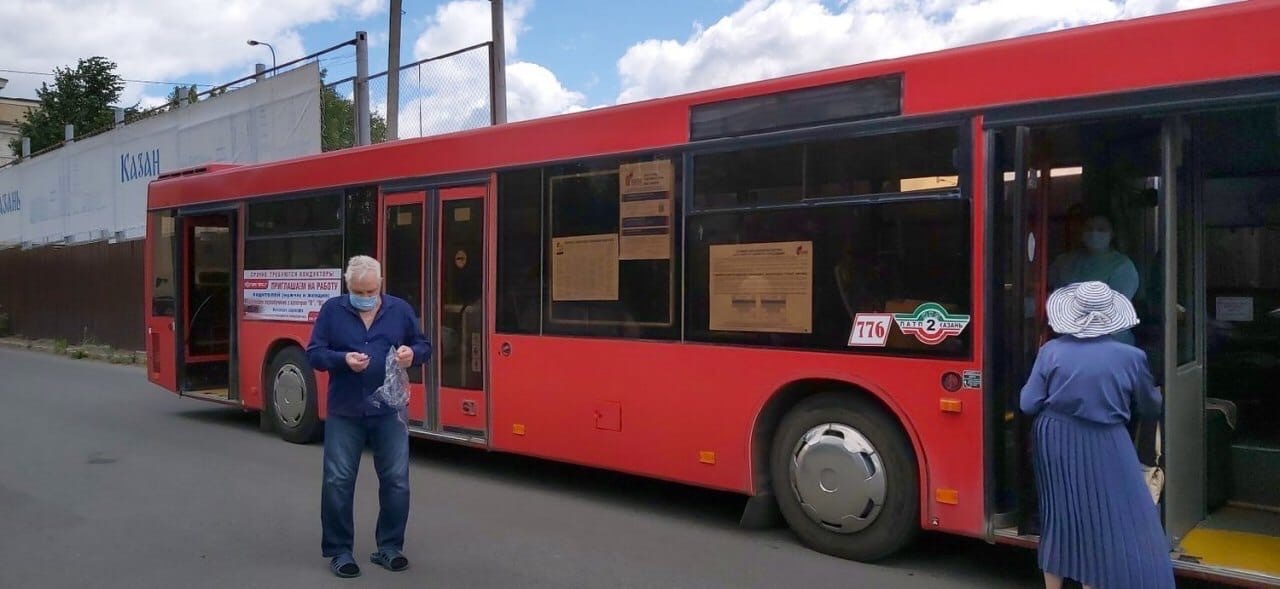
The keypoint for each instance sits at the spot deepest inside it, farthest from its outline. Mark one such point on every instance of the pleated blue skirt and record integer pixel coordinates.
(1099, 525)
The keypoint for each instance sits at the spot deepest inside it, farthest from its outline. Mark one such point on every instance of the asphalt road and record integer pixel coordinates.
(107, 481)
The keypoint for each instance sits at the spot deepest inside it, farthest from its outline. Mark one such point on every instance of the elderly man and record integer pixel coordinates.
(352, 338)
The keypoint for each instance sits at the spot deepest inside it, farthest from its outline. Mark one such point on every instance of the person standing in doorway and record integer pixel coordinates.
(1097, 260)
(352, 336)
(1099, 524)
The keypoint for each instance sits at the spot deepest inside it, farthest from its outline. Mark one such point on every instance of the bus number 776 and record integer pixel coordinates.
(870, 329)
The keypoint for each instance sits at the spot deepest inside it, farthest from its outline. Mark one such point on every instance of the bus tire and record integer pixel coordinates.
(845, 477)
(292, 402)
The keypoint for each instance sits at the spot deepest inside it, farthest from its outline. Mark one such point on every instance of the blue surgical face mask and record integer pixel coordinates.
(363, 303)
(1097, 241)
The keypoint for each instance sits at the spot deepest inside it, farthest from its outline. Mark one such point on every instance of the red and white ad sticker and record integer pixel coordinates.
(870, 330)
(289, 295)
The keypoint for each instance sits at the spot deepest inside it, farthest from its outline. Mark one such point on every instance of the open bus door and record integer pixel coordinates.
(161, 300)
(1019, 289)
(1195, 202)
(207, 292)
(1184, 345)
(1221, 233)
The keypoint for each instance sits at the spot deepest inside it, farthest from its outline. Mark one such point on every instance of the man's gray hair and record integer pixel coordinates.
(361, 266)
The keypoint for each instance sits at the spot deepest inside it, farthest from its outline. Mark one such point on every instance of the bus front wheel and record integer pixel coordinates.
(845, 477)
(293, 405)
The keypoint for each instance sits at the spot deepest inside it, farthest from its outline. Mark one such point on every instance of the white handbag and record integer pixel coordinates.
(1154, 475)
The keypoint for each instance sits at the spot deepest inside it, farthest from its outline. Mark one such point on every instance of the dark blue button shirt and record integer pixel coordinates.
(339, 330)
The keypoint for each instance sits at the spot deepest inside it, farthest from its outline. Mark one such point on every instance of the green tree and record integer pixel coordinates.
(80, 96)
(337, 120)
(180, 94)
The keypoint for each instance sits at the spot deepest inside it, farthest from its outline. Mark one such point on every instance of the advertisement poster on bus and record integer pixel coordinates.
(289, 295)
(644, 210)
(765, 287)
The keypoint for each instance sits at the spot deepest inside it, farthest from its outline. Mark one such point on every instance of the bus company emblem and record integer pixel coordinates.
(931, 323)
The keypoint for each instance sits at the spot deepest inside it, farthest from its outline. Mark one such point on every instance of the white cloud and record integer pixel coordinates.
(462, 23)
(533, 91)
(769, 38)
(455, 92)
(152, 40)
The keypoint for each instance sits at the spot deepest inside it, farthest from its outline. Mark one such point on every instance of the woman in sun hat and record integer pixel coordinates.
(1100, 526)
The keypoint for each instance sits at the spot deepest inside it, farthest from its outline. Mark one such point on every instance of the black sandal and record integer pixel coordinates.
(390, 559)
(344, 566)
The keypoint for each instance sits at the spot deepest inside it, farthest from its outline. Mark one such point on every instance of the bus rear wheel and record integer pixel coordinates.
(293, 406)
(845, 477)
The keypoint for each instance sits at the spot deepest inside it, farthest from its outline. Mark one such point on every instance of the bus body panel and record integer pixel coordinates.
(676, 401)
(259, 340)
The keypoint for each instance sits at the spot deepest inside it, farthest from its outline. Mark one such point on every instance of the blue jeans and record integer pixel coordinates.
(345, 438)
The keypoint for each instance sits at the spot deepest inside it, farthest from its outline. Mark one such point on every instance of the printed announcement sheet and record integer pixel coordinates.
(644, 210)
(584, 268)
(766, 287)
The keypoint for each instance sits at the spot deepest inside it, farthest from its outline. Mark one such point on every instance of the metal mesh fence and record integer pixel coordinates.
(378, 108)
(337, 115)
(438, 95)
(444, 94)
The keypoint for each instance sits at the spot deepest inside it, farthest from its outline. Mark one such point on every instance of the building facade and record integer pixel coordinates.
(12, 112)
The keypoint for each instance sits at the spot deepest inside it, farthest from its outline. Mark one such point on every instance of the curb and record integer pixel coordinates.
(95, 353)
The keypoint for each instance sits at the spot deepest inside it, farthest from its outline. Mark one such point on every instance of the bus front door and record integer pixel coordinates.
(207, 295)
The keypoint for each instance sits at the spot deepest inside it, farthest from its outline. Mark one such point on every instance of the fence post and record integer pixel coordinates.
(361, 88)
(497, 67)
(259, 71)
(69, 133)
(26, 147)
(393, 73)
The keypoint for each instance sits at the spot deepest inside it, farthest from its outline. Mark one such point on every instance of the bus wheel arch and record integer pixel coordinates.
(823, 419)
(290, 401)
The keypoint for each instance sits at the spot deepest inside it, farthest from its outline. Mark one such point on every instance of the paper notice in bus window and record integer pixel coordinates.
(288, 295)
(639, 178)
(764, 287)
(584, 268)
(1234, 309)
(644, 210)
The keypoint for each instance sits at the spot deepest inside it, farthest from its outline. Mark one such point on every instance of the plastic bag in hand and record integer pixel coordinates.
(394, 391)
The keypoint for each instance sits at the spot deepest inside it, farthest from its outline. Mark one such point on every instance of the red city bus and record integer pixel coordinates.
(821, 291)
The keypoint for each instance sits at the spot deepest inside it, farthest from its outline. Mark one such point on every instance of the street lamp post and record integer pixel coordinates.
(253, 43)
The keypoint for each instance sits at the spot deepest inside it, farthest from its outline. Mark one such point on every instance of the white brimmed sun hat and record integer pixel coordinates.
(1090, 309)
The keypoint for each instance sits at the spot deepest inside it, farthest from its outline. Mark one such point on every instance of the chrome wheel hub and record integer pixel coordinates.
(289, 395)
(838, 478)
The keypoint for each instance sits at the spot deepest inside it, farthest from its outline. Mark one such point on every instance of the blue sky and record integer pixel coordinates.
(564, 55)
(580, 40)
